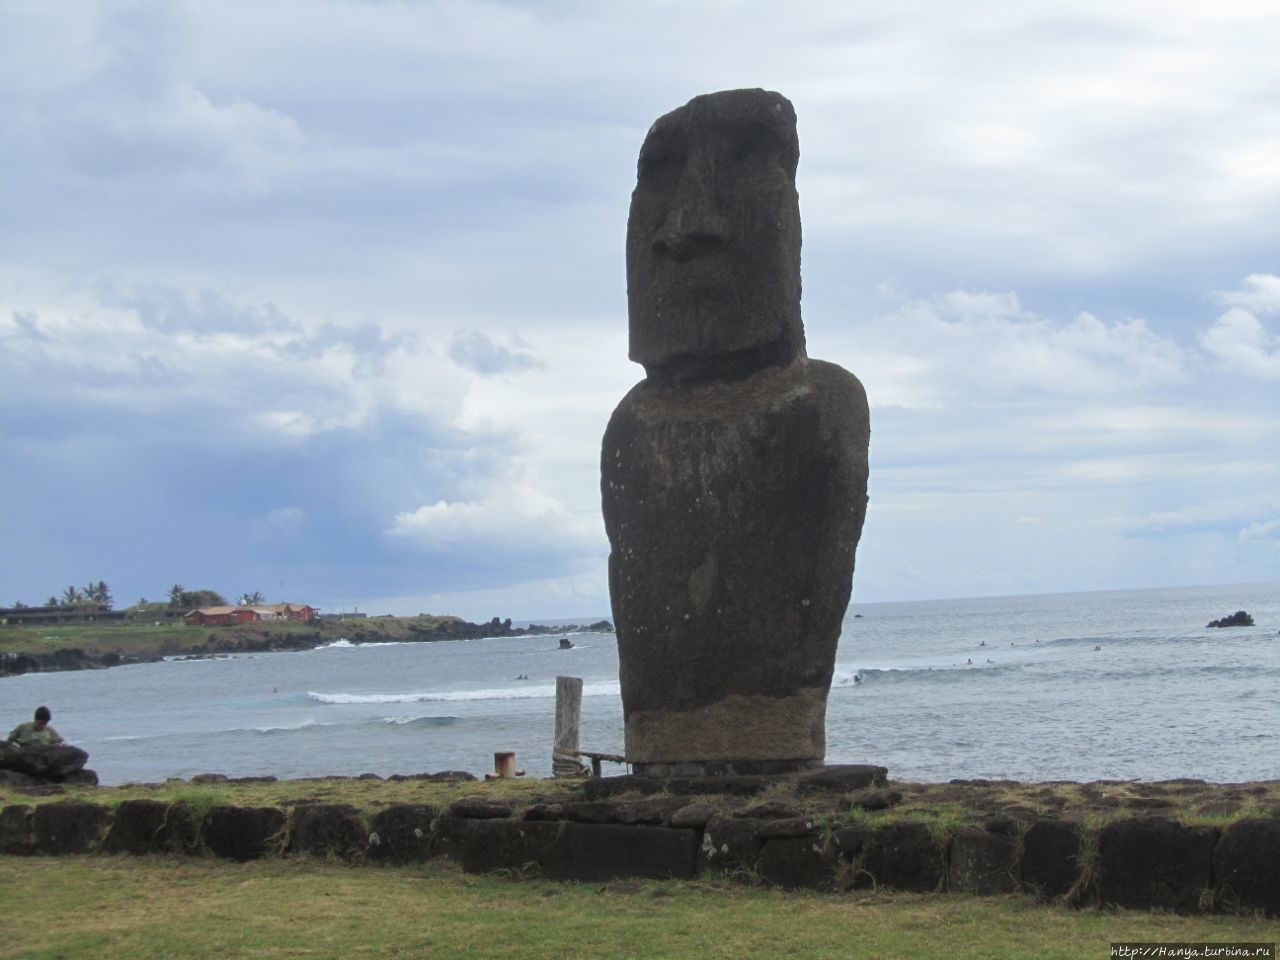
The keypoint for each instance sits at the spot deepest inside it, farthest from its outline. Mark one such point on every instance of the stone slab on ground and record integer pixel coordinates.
(1155, 863)
(402, 833)
(243, 833)
(799, 863)
(982, 862)
(1051, 857)
(1246, 866)
(328, 830)
(69, 827)
(144, 826)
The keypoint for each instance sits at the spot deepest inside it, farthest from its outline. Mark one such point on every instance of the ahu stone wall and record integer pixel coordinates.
(636, 827)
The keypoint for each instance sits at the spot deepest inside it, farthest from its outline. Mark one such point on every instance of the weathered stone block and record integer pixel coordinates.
(328, 830)
(590, 812)
(799, 863)
(729, 843)
(785, 827)
(243, 833)
(69, 827)
(902, 856)
(486, 846)
(1148, 862)
(591, 852)
(1051, 857)
(695, 815)
(481, 808)
(145, 826)
(842, 778)
(661, 810)
(1246, 866)
(983, 862)
(602, 788)
(402, 833)
(17, 837)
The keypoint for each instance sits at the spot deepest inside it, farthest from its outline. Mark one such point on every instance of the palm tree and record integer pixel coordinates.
(100, 593)
(175, 594)
(251, 599)
(51, 602)
(71, 596)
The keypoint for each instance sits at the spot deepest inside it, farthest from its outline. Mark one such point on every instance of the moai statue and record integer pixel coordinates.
(734, 476)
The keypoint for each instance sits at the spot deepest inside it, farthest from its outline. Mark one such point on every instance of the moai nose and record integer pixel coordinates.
(694, 225)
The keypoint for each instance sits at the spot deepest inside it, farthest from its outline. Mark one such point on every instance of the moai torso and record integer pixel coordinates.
(734, 475)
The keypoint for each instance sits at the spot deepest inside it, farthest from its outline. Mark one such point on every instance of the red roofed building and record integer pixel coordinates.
(228, 616)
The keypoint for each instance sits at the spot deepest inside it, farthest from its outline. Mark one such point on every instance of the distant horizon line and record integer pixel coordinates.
(592, 618)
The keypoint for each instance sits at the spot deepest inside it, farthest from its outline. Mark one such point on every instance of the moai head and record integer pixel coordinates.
(713, 239)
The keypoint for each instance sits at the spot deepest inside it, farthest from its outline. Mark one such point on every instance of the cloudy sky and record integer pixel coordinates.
(326, 298)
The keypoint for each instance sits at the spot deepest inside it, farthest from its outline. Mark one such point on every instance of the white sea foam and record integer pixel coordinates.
(279, 728)
(447, 696)
(419, 721)
(342, 643)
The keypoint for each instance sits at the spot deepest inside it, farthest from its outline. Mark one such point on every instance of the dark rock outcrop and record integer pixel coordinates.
(734, 475)
(1237, 619)
(49, 764)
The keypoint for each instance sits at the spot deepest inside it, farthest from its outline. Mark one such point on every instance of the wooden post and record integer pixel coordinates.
(504, 764)
(564, 750)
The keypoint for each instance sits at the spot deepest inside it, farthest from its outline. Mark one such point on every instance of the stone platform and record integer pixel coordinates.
(1180, 845)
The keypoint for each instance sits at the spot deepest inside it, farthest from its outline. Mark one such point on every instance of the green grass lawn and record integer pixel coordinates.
(108, 907)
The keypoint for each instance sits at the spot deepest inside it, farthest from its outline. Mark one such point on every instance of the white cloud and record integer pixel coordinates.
(1239, 340)
(488, 357)
(1258, 293)
(984, 345)
(1215, 514)
(514, 516)
(1265, 531)
(212, 368)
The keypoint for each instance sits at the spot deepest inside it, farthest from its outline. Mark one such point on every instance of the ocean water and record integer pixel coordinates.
(1085, 686)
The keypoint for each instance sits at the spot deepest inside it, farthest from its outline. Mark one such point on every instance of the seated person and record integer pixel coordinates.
(37, 732)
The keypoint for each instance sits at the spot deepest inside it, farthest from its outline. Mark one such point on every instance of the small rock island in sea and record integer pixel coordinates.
(1237, 619)
(734, 476)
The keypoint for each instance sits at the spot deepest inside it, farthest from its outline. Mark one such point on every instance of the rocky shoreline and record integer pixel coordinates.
(223, 641)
